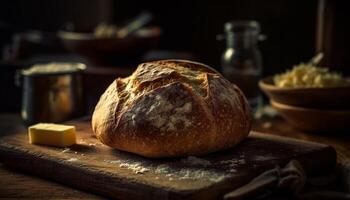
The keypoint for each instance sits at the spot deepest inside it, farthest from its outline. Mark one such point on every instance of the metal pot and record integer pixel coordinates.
(52, 92)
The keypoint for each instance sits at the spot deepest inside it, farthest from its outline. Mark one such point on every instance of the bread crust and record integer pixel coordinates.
(172, 108)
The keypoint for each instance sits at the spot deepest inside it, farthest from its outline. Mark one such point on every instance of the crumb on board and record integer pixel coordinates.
(72, 159)
(267, 125)
(91, 144)
(66, 150)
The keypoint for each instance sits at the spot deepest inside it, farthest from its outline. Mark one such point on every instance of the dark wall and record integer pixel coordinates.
(333, 34)
(187, 25)
(193, 25)
(53, 14)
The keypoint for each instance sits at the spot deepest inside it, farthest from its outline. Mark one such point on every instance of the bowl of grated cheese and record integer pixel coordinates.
(308, 86)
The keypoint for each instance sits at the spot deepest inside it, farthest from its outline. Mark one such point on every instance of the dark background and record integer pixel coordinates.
(187, 25)
(295, 29)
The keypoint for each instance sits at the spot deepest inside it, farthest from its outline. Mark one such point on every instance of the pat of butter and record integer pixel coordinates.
(52, 134)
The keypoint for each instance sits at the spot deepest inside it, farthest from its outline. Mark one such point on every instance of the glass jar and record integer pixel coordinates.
(241, 61)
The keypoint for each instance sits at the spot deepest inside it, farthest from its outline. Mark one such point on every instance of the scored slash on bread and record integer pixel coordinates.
(172, 108)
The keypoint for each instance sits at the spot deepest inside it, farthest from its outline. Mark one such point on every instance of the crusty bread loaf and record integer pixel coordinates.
(172, 108)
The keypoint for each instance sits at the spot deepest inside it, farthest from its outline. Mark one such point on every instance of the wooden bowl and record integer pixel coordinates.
(111, 51)
(328, 98)
(314, 120)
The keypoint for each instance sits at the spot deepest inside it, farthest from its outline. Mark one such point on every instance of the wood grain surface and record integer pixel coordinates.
(17, 185)
(278, 126)
(93, 167)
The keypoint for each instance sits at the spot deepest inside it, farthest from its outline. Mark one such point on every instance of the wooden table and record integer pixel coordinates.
(15, 184)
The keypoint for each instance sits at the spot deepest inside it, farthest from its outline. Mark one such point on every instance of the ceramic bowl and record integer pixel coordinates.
(110, 51)
(314, 120)
(325, 98)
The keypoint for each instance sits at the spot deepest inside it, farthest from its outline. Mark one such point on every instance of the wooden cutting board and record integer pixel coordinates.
(96, 168)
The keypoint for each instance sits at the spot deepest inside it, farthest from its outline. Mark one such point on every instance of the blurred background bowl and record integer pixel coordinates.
(314, 120)
(112, 50)
(325, 98)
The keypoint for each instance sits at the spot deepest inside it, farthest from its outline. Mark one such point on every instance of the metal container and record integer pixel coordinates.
(52, 92)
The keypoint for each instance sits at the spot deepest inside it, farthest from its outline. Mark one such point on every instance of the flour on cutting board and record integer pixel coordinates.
(189, 173)
(195, 174)
(263, 158)
(136, 167)
(232, 164)
(192, 160)
(191, 168)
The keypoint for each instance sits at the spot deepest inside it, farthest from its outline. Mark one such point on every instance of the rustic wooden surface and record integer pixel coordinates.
(277, 126)
(17, 185)
(9, 176)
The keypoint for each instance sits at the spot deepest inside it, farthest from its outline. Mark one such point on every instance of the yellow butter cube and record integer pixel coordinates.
(52, 134)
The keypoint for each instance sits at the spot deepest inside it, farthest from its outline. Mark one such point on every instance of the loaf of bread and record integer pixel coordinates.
(172, 108)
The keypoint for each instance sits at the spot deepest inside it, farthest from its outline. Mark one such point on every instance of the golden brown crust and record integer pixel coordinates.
(172, 108)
